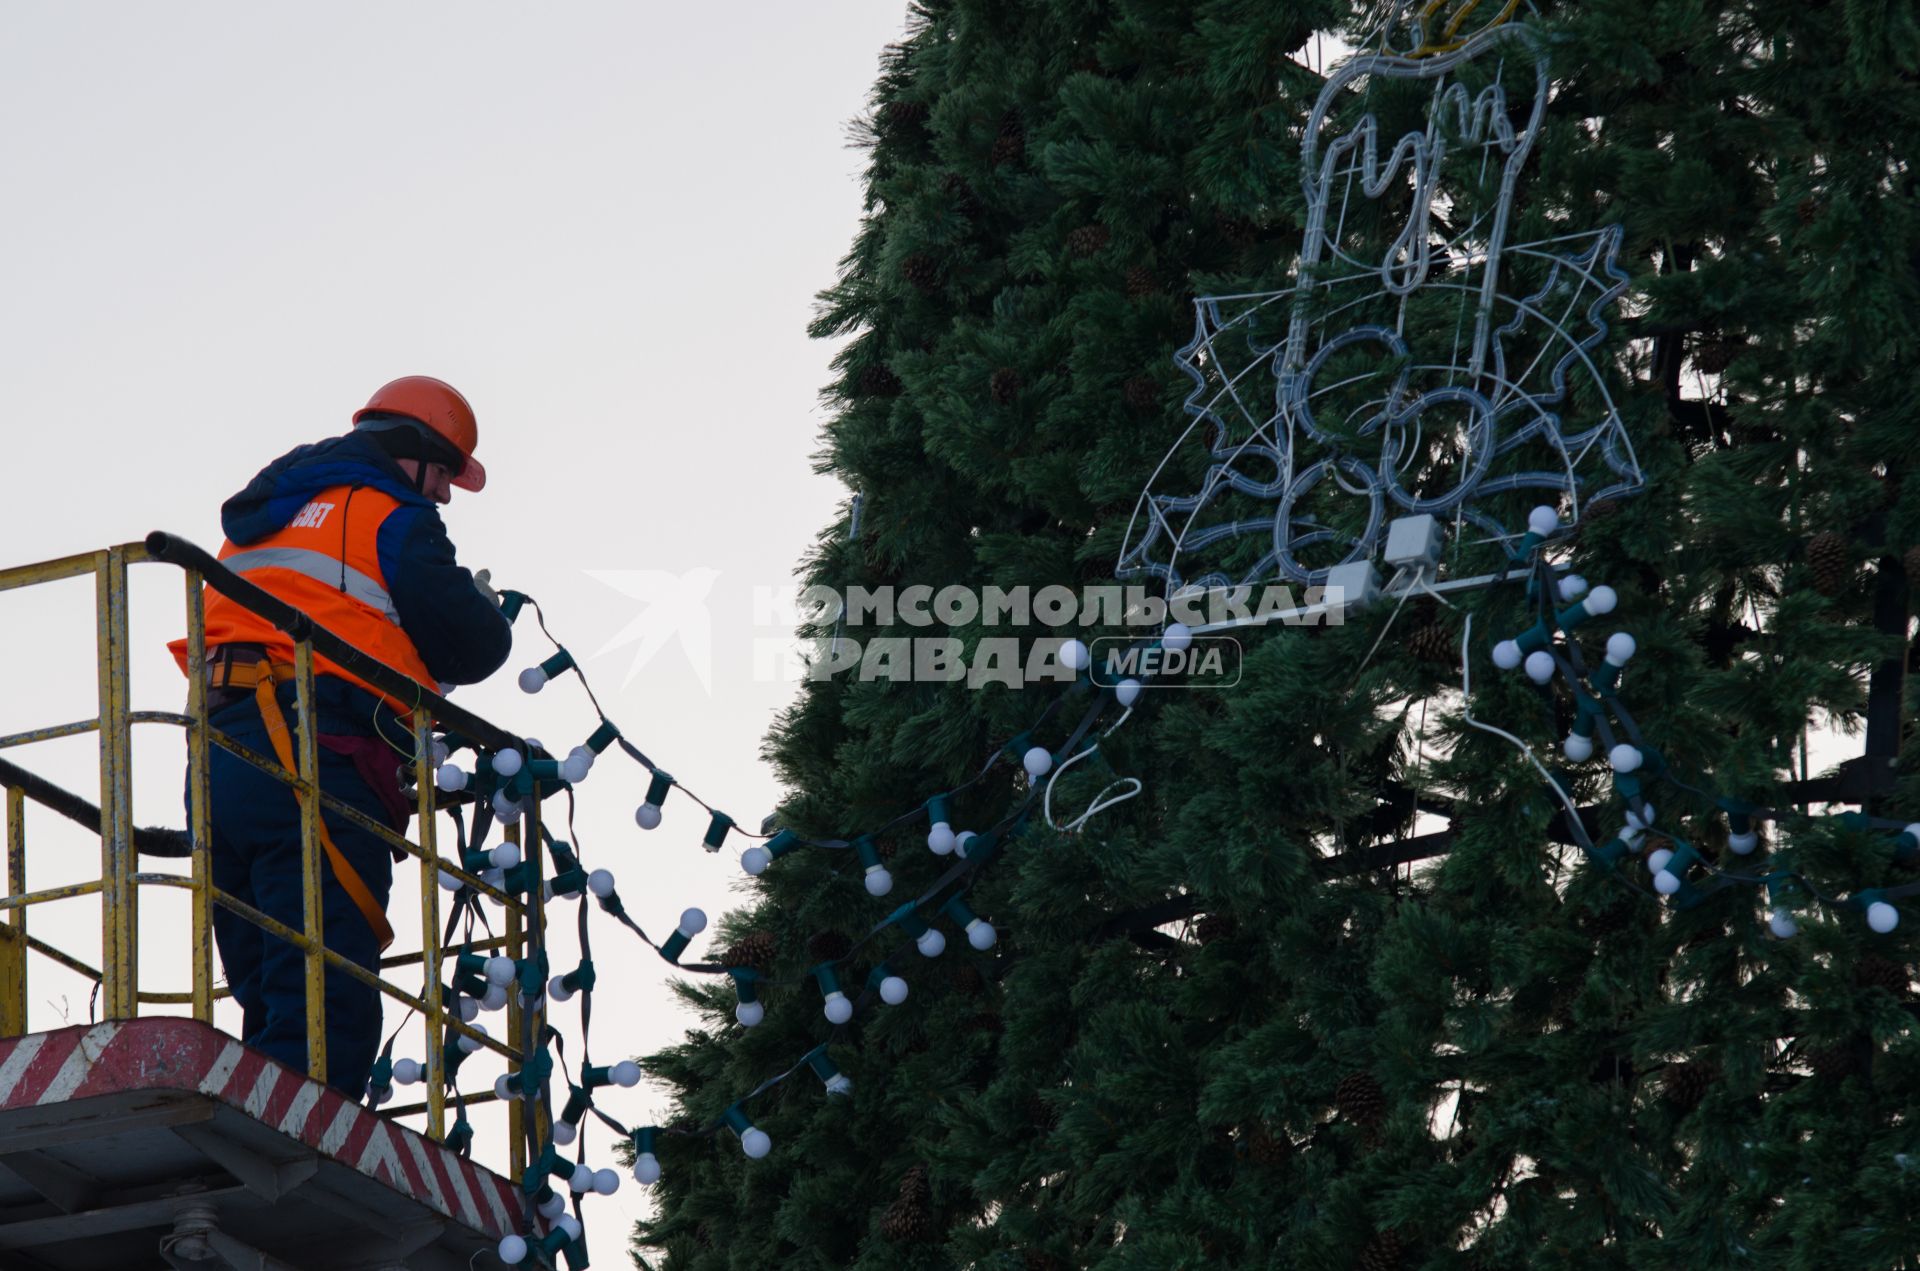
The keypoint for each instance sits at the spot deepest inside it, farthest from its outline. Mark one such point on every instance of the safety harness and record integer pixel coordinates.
(261, 677)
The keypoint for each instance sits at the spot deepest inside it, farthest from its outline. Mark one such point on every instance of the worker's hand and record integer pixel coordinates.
(484, 581)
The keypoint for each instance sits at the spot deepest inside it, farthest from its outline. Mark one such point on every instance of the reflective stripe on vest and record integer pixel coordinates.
(330, 570)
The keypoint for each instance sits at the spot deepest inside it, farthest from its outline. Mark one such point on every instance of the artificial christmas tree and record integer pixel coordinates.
(1485, 1041)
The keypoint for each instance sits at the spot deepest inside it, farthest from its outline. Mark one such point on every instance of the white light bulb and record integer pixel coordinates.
(692, 922)
(532, 680)
(496, 998)
(1506, 654)
(625, 1074)
(1657, 860)
(437, 750)
(940, 838)
(1578, 748)
(450, 779)
(468, 1044)
(980, 934)
(1074, 655)
(1882, 917)
(879, 881)
(1176, 637)
(1572, 587)
(1743, 844)
(839, 1085)
(605, 1182)
(569, 1224)
(383, 1095)
(449, 883)
(1038, 762)
(505, 810)
(406, 1071)
(557, 989)
(512, 1250)
(893, 990)
(468, 1010)
(1621, 647)
(1543, 520)
(578, 763)
(1539, 666)
(500, 970)
(1126, 692)
(931, 943)
(564, 1133)
(1625, 757)
(600, 883)
(755, 860)
(501, 1090)
(646, 1169)
(581, 1180)
(647, 816)
(961, 840)
(552, 1207)
(1601, 600)
(749, 1013)
(1666, 882)
(755, 1143)
(1781, 923)
(506, 763)
(504, 856)
(837, 1008)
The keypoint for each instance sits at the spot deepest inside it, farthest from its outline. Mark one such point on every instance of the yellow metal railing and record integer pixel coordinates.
(121, 880)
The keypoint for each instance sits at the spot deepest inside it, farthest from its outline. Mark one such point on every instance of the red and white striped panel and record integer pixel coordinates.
(184, 1054)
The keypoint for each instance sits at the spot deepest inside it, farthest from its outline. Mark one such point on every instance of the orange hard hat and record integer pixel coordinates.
(439, 406)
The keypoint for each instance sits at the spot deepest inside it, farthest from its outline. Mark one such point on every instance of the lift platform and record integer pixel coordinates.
(155, 1140)
(161, 1142)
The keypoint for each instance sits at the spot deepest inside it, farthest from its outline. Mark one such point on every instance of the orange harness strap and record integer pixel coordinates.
(349, 878)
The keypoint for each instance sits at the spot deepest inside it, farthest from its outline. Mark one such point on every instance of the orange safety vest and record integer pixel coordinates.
(325, 562)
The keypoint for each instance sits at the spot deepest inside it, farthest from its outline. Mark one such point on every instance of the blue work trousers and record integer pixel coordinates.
(255, 850)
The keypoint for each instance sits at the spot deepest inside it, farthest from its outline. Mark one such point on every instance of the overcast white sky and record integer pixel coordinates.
(226, 223)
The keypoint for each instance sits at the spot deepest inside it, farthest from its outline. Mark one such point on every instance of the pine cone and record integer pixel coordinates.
(1088, 239)
(828, 946)
(1265, 1148)
(1828, 558)
(965, 201)
(987, 1022)
(886, 848)
(1431, 643)
(1141, 282)
(1004, 385)
(1237, 230)
(1686, 1084)
(920, 271)
(967, 981)
(756, 951)
(1215, 926)
(1834, 1062)
(910, 1215)
(904, 115)
(1360, 1099)
(1011, 145)
(1382, 1253)
(1714, 352)
(1874, 971)
(879, 381)
(1142, 393)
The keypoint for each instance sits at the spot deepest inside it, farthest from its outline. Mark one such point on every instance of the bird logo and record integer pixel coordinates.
(673, 608)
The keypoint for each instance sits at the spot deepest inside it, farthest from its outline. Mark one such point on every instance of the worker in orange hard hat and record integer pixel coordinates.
(347, 530)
